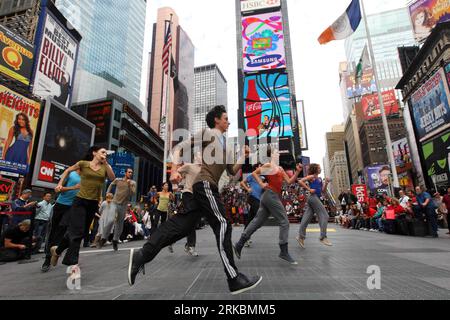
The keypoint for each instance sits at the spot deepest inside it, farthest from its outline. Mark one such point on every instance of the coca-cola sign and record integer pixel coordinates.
(360, 191)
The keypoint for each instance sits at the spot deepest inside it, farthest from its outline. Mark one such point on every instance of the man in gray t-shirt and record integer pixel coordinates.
(125, 189)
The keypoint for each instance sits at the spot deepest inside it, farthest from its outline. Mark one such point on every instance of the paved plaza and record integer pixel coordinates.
(411, 268)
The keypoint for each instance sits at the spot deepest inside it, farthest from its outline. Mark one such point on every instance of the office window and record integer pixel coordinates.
(116, 133)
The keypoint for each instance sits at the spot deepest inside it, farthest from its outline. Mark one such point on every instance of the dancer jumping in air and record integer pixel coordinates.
(206, 202)
(316, 188)
(271, 204)
(85, 205)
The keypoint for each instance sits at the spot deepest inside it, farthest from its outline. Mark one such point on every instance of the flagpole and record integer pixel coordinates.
(166, 129)
(389, 150)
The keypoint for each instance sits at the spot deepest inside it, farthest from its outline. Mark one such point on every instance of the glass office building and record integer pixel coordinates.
(389, 30)
(210, 90)
(112, 46)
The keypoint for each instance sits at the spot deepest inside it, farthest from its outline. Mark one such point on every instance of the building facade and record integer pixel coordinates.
(21, 17)
(339, 173)
(120, 127)
(181, 91)
(111, 52)
(211, 89)
(389, 30)
(425, 87)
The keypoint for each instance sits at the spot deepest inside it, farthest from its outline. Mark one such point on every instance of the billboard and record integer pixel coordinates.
(6, 189)
(65, 138)
(120, 162)
(19, 118)
(56, 61)
(267, 106)
(100, 114)
(263, 42)
(437, 160)
(430, 107)
(425, 14)
(360, 191)
(302, 125)
(16, 56)
(377, 178)
(402, 155)
(254, 5)
(370, 105)
(367, 84)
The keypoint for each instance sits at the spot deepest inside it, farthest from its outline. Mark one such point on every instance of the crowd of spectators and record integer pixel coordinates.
(414, 213)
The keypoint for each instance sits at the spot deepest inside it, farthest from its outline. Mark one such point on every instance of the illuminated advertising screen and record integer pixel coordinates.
(402, 155)
(425, 14)
(430, 107)
(437, 160)
(56, 61)
(267, 106)
(378, 178)
(16, 56)
(100, 115)
(371, 107)
(263, 42)
(65, 139)
(367, 84)
(19, 118)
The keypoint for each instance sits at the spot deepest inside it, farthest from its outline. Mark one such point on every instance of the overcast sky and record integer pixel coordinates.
(211, 26)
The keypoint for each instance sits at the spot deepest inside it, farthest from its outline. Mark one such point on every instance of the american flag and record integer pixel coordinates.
(166, 50)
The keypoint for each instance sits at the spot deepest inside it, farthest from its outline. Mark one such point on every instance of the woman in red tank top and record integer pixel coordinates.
(271, 204)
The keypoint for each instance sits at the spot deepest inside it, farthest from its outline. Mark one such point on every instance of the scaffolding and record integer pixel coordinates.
(24, 23)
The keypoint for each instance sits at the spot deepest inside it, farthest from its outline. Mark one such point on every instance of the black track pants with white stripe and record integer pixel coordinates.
(209, 203)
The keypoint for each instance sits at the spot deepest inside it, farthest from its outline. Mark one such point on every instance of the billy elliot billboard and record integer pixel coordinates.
(263, 42)
(56, 58)
(371, 107)
(16, 56)
(430, 107)
(65, 138)
(19, 119)
(267, 106)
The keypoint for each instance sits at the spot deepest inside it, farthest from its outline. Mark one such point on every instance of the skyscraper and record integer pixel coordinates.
(210, 90)
(111, 51)
(181, 99)
(389, 30)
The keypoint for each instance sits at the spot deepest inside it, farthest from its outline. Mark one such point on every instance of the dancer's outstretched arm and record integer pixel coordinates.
(294, 178)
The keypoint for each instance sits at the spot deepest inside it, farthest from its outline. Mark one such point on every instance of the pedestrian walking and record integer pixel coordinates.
(316, 188)
(41, 221)
(271, 204)
(108, 215)
(125, 189)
